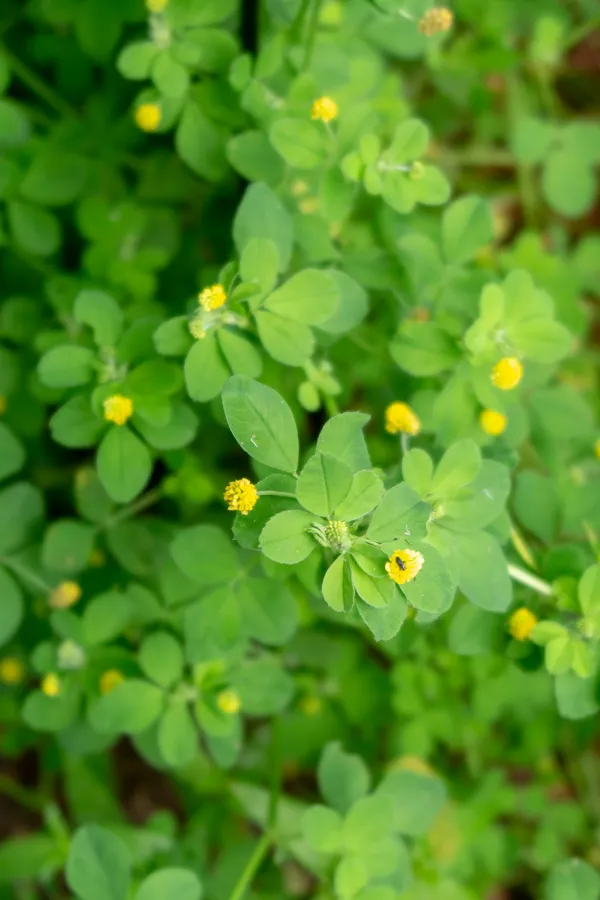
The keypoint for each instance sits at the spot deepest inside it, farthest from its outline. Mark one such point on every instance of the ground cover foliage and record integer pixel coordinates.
(299, 449)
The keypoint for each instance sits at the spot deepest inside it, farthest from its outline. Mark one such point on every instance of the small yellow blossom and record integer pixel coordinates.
(437, 19)
(212, 297)
(522, 623)
(493, 422)
(229, 702)
(507, 373)
(51, 685)
(12, 670)
(66, 594)
(299, 188)
(404, 565)
(197, 329)
(241, 496)
(311, 706)
(110, 679)
(324, 109)
(156, 6)
(597, 448)
(118, 409)
(2, 405)
(147, 116)
(412, 764)
(308, 205)
(400, 417)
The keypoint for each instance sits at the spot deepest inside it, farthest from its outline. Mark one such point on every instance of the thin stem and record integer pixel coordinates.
(276, 494)
(522, 548)
(23, 796)
(483, 157)
(313, 23)
(245, 879)
(532, 581)
(579, 34)
(143, 503)
(331, 405)
(24, 572)
(37, 84)
(404, 443)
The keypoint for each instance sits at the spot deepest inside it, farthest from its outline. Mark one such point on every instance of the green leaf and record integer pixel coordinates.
(474, 631)
(377, 592)
(417, 470)
(385, 622)
(262, 215)
(253, 157)
(568, 183)
(323, 484)
(321, 828)
(559, 655)
(573, 879)
(459, 465)
(342, 436)
(285, 537)
(169, 76)
(102, 314)
(124, 464)
(300, 143)
(259, 263)
(34, 229)
(177, 433)
(589, 591)
(337, 587)
(75, 424)
(171, 882)
(106, 617)
(481, 502)
(242, 356)
(310, 297)
(12, 453)
(21, 507)
(575, 696)
(261, 422)
(288, 342)
(350, 877)
(364, 495)
(343, 777)
(14, 124)
(532, 139)
(172, 337)
(212, 626)
(423, 349)
(66, 366)
(432, 591)
(55, 179)
(269, 611)
(400, 515)
(204, 554)
(352, 307)
(11, 608)
(536, 504)
(130, 708)
(482, 570)
(201, 144)
(264, 688)
(67, 545)
(417, 799)
(177, 735)
(205, 370)
(23, 858)
(247, 529)
(541, 340)
(410, 142)
(466, 227)
(99, 865)
(161, 658)
(135, 60)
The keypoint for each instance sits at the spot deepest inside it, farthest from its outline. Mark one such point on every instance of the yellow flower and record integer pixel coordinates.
(400, 417)
(311, 706)
(118, 409)
(229, 702)
(412, 764)
(404, 565)
(324, 109)
(522, 623)
(212, 297)
(12, 670)
(51, 685)
(241, 496)
(308, 205)
(2, 405)
(493, 422)
(299, 188)
(197, 329)
(156, 6)
(597, 448)
(66, 594)
(507, 373)
(147, 116)
(110, 679)
(435, 20)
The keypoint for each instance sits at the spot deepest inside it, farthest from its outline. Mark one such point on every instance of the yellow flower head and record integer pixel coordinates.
(156, 6)
(241, 496)
(51, 685)
(493, 422)
(197, 329)
(12, 670)
(311, 706)
(412, 764)
(597, 448)
(110, 679)
(324, 109)
(404, 565)
(507, 373)
(2, 405)
(229, 702)
(147, 116)
(400, 417)
(522, 623)
(440, 18)
(212, 297)
(118, 409)
(66, 594)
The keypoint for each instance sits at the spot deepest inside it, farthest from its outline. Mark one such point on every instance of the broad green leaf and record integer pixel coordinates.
(21, 507)
(75, 424)
(177, 735)
(259, 262)
(253, 157)
(12, 453)
(106, 616)
(342, 436)
(417, 470)
(466, 226)
(205, 369)
(23, 858)
(204, 554)
(299, 142)
(536, 504)
(172, 337)
(532, 139)
(410, 141)
(102, 314)
(400, 515)
(575, 696)
(337, 587)
(385, 622)
(34, 229)
(432, 591)
(321, 828)
(375, 592)
(474, 631)
(11, 607)
(261, 422)
(573, 879)
(200, 143)
(212, 626)
(323, 484)
(130, 708)
(350, 877)
(55, 179)
(423, 349)
(568, 183)
(179, 431)
(417, 799)
(169, 76)
(14, 124)
(459, 465)
(481, 502)
(262, 215)
(482, 570)
(135, 60)
(288, 342)
(66, 366)
(99, 865)
(364, 495)
(352, 307)
(269, 611)
(343, 777)
(541, 340)
(285, 537)
(263, 686)
(124, 464)
(67, 545)
(310, 297)
(171, 882)
(589, 591)
(161, 658)
(247, 529)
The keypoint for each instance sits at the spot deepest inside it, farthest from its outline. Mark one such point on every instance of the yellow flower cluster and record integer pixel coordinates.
(212, 297)
(400, 417)
(148, 116)
(229, 702)
(241, 496)
(156, 6)
(51, 685)
(440, 18)
(507, 373)
(66, 594)
(12, 670)
(404, 565)
(197, 329)
(521, 623)
(118, 409)
(110, 679)
(324, 109)
(493, 422)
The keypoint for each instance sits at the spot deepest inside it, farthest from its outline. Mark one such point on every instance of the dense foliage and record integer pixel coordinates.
(299, 449)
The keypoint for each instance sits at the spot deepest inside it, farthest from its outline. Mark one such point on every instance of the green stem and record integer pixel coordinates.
(276, 494)
(532, 581)
(524, 172)
(143, 503)
(313, 23)
(579, 34)
(37, 84)
(24, 572)
(331, 405)
(23, 796)
(245, 879)
(483, 157)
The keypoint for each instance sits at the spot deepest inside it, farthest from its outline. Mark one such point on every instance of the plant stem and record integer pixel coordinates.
(276, 494)
(252, 867)
(532, 581)
(23, 796)
(312, 33)
(24, 572)
(579, 34)
(37, 84)
(331, 405)
(479, 157)
(143, 503)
